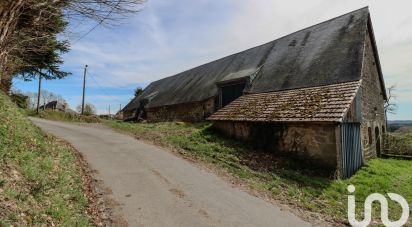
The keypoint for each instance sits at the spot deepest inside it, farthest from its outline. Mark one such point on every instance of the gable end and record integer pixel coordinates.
(376, 56)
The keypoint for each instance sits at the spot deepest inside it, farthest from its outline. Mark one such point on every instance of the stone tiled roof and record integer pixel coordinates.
(315, 104)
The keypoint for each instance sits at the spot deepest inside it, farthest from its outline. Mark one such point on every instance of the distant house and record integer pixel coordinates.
(58, 106)
(54, 105)
(316, 94)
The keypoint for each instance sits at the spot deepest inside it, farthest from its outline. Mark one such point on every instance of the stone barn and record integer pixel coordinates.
(316, 94)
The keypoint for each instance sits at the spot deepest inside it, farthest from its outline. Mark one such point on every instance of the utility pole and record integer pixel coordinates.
(120, 108)
(109, 111)
(38, 95)
(84, 87)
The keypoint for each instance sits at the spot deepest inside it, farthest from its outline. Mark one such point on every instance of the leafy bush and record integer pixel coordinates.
(21, 100)
(398, 143)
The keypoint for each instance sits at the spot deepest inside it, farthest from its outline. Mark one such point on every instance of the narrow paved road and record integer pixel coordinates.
(157, 188)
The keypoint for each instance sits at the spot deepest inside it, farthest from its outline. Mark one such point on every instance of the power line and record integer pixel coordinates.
(111, 82)
(125, 87)
(87, 33)
(104, 90)
(98, 24)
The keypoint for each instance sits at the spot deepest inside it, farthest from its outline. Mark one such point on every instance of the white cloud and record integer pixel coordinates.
(403, 96)
(266, 20)
(168, 37)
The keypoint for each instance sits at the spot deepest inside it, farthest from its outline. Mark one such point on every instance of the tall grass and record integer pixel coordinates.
(40, 181)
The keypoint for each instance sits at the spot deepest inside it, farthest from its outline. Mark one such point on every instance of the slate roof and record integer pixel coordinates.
(327, 53)
(316, 104)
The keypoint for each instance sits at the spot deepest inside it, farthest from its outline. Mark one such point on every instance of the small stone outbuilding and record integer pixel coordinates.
(54, 105)
(316, 94)
(58, 106)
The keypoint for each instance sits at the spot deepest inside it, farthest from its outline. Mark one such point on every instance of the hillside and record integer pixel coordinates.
(404, 129)
(395, 125)
(402, 122)
(41, 183)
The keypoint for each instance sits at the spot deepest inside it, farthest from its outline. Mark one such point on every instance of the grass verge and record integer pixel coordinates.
(41, 183)
(284, 180)
(62, 116)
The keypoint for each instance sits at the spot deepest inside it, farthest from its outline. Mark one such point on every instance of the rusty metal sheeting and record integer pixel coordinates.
(316, 104)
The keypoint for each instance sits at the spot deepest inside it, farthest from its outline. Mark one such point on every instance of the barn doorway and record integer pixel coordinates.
(231, 92)
(378, 142)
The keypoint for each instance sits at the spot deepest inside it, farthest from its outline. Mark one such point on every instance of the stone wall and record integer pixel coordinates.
(127, 114)
(313, 142)
(373, 114)
(183, 112)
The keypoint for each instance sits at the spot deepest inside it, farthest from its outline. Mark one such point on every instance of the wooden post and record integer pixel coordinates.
(38, 95)
(84, 87)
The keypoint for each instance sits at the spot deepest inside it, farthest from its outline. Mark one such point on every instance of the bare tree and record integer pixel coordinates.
(390, 105)
(89, 109)
(45, 97)
(102, 11)
(32, 99)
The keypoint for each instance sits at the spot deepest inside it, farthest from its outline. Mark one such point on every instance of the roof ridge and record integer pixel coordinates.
(326, 21)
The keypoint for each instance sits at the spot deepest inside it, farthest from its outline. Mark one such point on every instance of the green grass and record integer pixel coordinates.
(40, 181)
(62, 116)
(284, 179)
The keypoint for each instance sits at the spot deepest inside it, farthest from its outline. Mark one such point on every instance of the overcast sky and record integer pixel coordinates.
(170, 36)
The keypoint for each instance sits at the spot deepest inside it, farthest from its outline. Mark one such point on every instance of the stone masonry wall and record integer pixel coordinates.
(372, 105)
(315, 143)
(182, 112)
(128, 114)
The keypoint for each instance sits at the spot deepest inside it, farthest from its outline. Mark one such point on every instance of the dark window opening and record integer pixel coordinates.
(378, 141)
(370, 135)
(231, 92)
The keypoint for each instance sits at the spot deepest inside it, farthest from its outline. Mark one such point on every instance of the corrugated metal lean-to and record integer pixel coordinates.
(351, 149)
